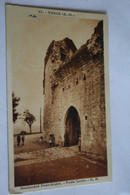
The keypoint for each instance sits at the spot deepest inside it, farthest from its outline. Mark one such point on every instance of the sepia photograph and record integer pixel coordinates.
(58, 98)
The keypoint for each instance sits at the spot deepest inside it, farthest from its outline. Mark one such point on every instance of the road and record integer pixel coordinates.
(36, 163)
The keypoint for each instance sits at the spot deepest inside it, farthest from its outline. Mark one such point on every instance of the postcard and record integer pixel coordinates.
(58, 98)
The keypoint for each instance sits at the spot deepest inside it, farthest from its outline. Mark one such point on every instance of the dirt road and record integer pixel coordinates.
(35, 163)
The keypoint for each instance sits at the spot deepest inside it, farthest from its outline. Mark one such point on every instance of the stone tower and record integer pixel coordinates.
(74, 93)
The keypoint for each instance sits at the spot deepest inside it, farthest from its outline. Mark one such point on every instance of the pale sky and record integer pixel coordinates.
(28, 39)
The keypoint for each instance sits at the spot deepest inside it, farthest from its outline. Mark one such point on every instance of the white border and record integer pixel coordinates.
(10, 127)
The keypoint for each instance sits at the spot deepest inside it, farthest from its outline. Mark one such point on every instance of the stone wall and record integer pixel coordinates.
(78, 81)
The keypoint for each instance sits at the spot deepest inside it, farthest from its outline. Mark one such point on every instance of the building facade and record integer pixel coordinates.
(74, 93)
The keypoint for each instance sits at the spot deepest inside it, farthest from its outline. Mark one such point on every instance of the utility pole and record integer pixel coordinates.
(40, 122)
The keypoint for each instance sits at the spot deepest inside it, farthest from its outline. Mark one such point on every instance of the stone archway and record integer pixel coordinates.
(72, 127)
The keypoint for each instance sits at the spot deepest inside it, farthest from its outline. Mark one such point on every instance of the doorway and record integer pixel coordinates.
(72, 127)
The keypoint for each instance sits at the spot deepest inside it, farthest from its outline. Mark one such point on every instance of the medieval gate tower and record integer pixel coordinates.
(74, 93)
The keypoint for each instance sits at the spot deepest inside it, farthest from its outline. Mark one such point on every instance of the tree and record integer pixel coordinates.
(29, 119)
(15, 103)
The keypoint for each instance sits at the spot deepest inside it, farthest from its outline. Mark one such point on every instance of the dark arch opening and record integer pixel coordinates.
(72, 127)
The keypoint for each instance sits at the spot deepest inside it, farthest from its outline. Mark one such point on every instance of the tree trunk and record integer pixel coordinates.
(30, 127)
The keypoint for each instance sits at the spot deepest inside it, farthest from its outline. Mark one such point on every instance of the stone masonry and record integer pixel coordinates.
(74, 93)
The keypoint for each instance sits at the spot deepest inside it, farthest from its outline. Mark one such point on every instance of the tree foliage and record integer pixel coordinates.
(15, 103)
(29, 119)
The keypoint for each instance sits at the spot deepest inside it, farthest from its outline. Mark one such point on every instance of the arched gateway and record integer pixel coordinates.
(72, 127)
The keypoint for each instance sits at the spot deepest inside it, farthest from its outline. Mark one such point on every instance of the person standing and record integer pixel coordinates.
(50, 141)
(53, 140)
(18, 140)
(79, 143)
(23, 138)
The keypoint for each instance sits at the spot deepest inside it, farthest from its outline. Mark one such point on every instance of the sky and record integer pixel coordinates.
(27, 41)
